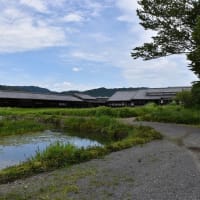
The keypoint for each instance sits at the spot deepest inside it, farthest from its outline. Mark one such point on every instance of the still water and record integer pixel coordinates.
(18, 148)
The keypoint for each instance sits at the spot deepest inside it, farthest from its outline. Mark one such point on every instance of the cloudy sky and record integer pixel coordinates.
(79, 44)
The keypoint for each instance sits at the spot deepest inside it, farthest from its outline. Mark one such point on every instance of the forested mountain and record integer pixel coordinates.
(103, 92)
(32, 89)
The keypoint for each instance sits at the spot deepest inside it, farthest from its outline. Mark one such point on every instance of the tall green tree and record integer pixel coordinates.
(194, 55)
(196, 93)
(177, 24)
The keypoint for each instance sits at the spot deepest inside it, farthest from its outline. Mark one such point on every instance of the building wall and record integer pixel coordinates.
(39, 103)
(138, 102)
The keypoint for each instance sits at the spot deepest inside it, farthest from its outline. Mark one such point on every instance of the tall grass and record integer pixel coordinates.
(99, 111)
(171, 113)
(11, 127)
(104, 127)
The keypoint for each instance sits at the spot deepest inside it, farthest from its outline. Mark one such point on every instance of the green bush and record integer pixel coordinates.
(185, 98)
(196, 93)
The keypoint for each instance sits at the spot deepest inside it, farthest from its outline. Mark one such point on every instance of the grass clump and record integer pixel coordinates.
(107, 128)
(11, 127)
(59, 155)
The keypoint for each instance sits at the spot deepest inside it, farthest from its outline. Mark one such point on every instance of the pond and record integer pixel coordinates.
(18, 148)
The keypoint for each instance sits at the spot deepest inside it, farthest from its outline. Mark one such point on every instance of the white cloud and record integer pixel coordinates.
(125, 18)
(163, 72)
(127, 5)
(100, 37)
(66, 86)
(128, 8)
(89, 56)
(129, 16)
(22, 31)
(95, 7)
(25, 36)
(10, 15)
(22, 79)
(76, 69)
(56, 3)
(73, 17)
(38, 5)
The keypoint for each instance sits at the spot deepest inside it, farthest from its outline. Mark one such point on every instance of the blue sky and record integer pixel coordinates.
(80, 44)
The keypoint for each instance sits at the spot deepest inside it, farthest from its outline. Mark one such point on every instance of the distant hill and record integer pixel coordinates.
(99, 92)
(103, 92)
(32, 89)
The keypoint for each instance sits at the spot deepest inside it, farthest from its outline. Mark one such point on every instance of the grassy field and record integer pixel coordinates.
(97, 112)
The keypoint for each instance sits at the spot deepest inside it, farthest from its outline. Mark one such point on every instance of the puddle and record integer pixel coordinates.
(15, 149)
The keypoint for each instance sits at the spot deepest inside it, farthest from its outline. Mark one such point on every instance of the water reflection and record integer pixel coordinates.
(15, 149)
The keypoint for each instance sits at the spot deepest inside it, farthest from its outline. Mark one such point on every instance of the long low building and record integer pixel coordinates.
(119, 99)
(144, 96)
(24, 99)
(90, 100)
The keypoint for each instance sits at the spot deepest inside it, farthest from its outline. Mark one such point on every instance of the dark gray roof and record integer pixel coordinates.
(102, 97)
(123, 96)
(24, 95)
(166, 91)
(84, 96)
(147, 94)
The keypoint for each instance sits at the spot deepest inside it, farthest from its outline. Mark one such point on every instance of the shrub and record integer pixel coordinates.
(185, 98)
(196, 93)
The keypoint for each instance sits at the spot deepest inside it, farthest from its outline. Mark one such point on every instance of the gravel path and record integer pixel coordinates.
(161, 170)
